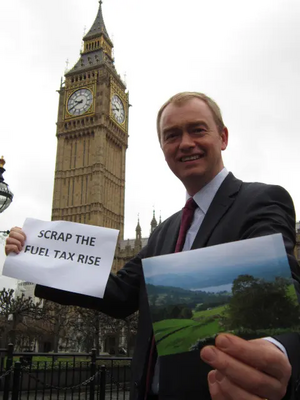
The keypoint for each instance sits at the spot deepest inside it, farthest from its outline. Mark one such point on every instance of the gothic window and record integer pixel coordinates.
(69, 183)
(83, 158)
(75, 154)
(71, 151)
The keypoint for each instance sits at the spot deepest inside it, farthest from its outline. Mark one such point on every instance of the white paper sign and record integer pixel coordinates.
(64, 255)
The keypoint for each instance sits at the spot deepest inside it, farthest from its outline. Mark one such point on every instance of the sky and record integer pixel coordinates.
(262, 252)
(245, 55)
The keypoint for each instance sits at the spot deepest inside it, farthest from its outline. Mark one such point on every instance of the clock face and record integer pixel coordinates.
(80, 101)
(117, 108)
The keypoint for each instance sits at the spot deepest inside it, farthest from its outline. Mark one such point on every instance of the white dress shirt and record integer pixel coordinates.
(203, 198)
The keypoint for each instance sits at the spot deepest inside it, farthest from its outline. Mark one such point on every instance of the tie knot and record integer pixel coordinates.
(190, 204)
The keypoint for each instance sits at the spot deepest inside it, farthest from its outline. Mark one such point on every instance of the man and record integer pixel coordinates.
(192, 136)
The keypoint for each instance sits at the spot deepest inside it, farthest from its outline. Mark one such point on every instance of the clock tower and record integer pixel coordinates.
(92, 137)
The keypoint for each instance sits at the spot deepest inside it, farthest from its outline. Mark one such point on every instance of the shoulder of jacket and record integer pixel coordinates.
(263, 187)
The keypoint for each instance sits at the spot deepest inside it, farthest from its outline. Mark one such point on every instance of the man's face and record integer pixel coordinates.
(191, 143)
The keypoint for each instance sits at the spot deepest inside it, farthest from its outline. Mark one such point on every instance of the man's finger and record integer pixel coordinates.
(214, 389)
(221, 388)
(11, 249)
(259, 353)
(15, 241)
(244, 376)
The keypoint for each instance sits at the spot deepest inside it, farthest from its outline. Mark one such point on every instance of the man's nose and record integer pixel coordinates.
(186, 141)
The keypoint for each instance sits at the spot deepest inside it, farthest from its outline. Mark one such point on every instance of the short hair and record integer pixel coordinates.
(181, 98)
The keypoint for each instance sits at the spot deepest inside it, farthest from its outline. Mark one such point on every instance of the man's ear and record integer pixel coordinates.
(224, 138)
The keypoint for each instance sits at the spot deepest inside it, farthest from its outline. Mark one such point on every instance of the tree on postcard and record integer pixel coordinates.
(258, 304)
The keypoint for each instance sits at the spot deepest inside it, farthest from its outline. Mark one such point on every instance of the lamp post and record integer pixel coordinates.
(6, 195)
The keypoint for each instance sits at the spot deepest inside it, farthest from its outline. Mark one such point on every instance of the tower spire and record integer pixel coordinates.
(97, 47)
(98, 28)
(138, 236)
(153, 223)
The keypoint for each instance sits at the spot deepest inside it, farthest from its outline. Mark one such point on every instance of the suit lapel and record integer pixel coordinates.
(221, 203)
(171, 235)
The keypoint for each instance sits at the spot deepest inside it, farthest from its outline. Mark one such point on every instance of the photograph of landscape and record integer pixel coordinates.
(243, 287)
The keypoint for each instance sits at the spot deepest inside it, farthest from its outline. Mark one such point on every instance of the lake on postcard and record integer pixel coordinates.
(216, 289)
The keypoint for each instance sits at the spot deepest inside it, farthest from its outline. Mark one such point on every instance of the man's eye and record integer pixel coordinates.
(171, 135)
(198, 131)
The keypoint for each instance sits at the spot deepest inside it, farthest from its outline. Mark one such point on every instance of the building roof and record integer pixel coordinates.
(91, 60)
(131, 242)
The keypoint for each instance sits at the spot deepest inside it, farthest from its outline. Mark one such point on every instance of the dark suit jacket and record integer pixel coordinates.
(238, 211)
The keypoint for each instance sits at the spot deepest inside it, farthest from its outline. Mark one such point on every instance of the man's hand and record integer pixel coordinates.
(15, 241)
(246, 370)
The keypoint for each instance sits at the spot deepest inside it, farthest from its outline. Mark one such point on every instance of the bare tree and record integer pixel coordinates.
(131, 324)
(58, 324)
(16, 313)
(94, 327)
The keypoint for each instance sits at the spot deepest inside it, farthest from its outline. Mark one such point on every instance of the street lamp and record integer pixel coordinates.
(6, 195)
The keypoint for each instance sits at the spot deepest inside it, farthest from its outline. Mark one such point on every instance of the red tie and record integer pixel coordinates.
(186, 220)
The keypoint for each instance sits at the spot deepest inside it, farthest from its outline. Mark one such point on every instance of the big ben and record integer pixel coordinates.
(92, 137)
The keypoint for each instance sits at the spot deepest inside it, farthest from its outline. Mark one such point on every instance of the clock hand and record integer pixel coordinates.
(77, 102)
(116, 108)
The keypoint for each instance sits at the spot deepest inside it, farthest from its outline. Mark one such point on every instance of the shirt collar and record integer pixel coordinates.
(205, 196)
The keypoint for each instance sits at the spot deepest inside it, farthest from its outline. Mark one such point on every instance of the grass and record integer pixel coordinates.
(201, 326)
(42, 362)
(168, 325)
(208, 313)
(182, 340)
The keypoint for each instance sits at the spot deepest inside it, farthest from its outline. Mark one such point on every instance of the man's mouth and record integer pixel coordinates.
(190, 158)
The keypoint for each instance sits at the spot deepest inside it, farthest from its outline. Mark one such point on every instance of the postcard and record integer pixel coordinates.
(243, 287)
